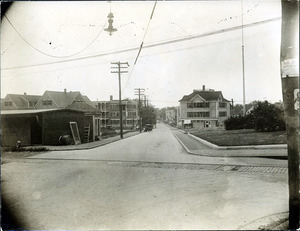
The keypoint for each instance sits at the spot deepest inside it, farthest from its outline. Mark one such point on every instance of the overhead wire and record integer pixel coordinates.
(49, 55)
(181, 39)
(141, 46)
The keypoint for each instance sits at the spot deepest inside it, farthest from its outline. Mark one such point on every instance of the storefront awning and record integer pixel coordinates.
(187, 122)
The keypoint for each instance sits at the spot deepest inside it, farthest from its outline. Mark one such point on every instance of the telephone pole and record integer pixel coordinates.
(145, 101)
(139, 92)
(289, 60)
(119, 68)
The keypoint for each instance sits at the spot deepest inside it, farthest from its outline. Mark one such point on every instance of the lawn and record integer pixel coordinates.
(242, 137)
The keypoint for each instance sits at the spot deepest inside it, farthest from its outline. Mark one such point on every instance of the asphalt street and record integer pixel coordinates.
(147, 181)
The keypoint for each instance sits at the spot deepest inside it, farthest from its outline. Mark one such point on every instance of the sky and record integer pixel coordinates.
(63, 45)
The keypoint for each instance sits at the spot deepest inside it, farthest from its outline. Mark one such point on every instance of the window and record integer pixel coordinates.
(198, 114)
(222, 113)
(115, 114)
(198, 105)
(222, 105)
(115, 122)
(131, 106)
(32, 104)
(114, 106)
(131, 113)
(8, 104)
(47, 102)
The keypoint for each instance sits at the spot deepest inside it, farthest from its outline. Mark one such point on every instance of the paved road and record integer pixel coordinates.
(146, 181)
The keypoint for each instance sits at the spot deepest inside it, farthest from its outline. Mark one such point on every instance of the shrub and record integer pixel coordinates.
(239, 122)
(268, 117)
(265, 117)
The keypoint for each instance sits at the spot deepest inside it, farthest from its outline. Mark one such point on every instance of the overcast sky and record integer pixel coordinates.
(58, 45)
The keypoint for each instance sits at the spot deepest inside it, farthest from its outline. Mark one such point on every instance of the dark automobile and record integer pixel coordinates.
(148, 127)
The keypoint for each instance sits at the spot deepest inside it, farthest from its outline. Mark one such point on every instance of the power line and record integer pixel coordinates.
(49, 55)
(141, 46)
(191, 37)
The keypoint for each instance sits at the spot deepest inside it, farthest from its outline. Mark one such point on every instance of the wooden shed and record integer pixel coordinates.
(42, 126)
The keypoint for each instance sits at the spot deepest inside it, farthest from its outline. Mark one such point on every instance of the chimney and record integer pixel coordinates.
(24, 93)
(65, 90)
(111, 98)
(203, 87)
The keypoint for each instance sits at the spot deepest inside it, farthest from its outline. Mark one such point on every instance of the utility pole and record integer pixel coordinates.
(289, 60)
(119, 68)
(243, 62)
(139, 92)
(145, 101)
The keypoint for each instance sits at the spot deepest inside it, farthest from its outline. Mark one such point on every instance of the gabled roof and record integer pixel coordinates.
(81, 106)
(68, 100)
(62, 99)
(21, 101)
(207, 95)
(88, 101)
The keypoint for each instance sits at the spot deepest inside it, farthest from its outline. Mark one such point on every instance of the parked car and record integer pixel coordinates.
(148, 127)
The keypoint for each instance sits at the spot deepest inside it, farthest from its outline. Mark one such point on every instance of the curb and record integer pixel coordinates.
(214, 146)
(86, 148)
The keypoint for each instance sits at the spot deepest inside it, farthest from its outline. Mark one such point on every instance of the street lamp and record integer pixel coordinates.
(110, 27)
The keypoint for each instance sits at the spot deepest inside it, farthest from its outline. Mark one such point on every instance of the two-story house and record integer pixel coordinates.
(19, 102)
(204, 108)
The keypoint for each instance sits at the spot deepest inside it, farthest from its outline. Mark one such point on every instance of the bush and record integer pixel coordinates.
(107, 132)
(265, 117)
(239, 122)
(268, 117)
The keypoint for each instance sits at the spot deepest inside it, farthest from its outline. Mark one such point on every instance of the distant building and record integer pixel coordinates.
(204, 108)
(171, 115)
(110, 112)
(19, 102)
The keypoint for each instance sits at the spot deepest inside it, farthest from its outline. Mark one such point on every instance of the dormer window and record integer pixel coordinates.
(47, 102)
(32, 104)
(8, 104)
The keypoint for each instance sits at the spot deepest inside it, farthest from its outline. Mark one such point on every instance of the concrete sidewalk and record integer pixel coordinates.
(89, 145)
(197, 146)
(214, 146)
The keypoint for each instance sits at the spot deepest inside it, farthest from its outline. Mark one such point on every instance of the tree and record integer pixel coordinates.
(267, 117)
(149, 115)
(263, 117)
